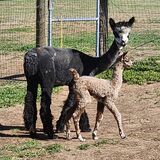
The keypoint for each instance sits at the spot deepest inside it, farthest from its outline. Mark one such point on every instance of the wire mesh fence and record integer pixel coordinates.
(75, 34)
(18, 28)
(17, 34)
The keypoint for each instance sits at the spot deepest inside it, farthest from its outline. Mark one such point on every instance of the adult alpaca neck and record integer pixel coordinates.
(109, 58)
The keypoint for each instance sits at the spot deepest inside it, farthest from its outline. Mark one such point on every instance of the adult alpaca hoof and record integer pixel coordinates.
(32, 133)
(27, 125)
(86, 130)
(59, 127)
(49, 134)
(52, 136)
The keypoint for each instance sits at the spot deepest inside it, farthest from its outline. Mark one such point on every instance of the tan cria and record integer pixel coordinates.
(104, 91)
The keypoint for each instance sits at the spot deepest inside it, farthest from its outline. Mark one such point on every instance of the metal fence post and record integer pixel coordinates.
(98, 28)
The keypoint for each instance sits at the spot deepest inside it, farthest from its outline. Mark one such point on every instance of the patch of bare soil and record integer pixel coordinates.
(140, 109)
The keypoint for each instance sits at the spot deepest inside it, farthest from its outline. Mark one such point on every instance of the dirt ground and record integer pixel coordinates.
(140, 109)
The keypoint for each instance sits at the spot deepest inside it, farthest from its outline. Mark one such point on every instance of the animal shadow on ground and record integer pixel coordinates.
(21, 132)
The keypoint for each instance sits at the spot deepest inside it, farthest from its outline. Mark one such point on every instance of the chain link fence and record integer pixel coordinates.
(18, 28)
(80, 35)
(17, 34)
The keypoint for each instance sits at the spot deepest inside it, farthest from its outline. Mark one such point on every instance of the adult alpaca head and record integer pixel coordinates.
(121, 31)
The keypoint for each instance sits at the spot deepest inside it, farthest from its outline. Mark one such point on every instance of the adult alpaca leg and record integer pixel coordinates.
(30, 110)
(47, 77)
(84, 122)
(45, 112)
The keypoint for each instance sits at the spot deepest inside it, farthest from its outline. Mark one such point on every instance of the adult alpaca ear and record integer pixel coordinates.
(131, 21)
(112, 23)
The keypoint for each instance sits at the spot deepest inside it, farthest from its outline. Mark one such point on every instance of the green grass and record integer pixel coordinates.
(144, 71)
(34, 149)
(98, 143)
(14, 93)
(105, 141)
(28, 149)
(84, 146)
(84, 41)
(87, 39)
(18, 29)
(150, 39)
(53, 148)
(9, 47)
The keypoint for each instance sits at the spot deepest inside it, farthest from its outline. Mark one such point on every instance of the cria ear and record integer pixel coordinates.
(122, 56)
(131, 21)
(112, 23)
(125, 53)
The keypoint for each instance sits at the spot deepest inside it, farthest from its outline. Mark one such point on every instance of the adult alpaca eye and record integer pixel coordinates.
(116, 35)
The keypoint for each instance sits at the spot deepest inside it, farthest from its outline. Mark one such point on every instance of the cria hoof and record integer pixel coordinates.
(123, 136)
(81, 139)
(94, 137)
(68, 137)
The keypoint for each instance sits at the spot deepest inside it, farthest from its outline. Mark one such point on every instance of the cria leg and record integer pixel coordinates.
(76, 118)
(83, 98)
(99, 117)
(68, 125)
(111, 106)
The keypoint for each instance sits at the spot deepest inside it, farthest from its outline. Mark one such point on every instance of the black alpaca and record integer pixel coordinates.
(49, 67)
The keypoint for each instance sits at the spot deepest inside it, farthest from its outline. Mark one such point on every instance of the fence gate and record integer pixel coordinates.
(74, 24)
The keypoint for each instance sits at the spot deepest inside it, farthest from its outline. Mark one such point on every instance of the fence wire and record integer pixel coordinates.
(17, 34)
(18, 19)
(76, 34)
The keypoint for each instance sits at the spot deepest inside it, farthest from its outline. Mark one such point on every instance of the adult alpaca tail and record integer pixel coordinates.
(30, 63)
(74, 74)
